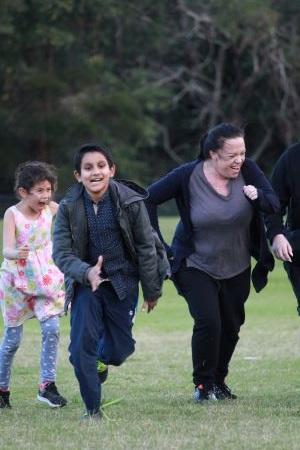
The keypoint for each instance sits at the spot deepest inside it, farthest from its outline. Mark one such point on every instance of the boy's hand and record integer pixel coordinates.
(148, 305)
(94, 274)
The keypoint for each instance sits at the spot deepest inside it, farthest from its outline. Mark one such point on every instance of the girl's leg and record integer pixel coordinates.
(50, 339)
(10, 344)
(48, 392)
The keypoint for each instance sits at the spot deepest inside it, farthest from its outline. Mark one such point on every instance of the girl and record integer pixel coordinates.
(30, 284)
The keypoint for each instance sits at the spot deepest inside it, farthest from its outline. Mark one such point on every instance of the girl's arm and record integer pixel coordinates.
(53, 207)
(9, 239)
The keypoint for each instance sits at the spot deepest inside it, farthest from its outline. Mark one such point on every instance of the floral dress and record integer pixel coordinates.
(32, 287)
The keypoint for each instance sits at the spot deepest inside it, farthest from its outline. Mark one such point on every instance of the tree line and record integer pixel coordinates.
(146, 78)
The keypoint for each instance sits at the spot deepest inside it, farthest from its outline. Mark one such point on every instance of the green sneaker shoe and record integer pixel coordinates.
(102, 370)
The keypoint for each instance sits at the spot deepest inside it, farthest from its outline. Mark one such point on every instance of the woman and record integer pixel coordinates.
(220, 198)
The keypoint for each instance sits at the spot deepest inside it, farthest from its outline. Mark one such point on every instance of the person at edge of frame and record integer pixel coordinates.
(283, 228)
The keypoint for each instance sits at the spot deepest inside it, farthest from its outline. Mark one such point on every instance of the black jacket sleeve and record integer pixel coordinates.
(281, 184)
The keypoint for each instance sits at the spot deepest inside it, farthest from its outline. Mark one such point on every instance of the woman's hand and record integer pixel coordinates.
(250, 192)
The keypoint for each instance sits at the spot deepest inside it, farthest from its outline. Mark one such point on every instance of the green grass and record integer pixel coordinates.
(157, 411)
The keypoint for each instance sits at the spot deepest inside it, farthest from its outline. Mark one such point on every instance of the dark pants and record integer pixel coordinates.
(96, 316)
(217, 307)
(294, 277)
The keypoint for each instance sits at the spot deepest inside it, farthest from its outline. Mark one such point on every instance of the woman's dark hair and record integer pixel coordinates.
(214, 139)
(87, 148)
(32, 172)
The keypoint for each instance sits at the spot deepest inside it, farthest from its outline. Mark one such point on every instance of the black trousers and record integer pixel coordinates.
(294, 277)
(217, 307)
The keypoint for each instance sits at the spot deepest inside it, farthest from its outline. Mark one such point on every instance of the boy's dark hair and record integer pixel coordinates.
(87, 148)
(214, 139)
(32, 172)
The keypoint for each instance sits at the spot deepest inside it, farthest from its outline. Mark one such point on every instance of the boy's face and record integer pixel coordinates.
(95, 174)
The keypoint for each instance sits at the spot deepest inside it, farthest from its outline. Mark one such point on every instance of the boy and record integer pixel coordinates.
(104, 245)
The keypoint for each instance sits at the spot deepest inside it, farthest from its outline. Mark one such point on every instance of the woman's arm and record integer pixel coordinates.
(166, 188)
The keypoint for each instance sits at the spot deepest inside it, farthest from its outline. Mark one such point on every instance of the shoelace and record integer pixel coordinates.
(107, 403)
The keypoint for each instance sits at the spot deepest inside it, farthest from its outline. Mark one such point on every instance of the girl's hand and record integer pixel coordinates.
(250, 192)
(23, 252)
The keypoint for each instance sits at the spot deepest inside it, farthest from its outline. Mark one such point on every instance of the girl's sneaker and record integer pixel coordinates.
(50, 395)
(4, 399)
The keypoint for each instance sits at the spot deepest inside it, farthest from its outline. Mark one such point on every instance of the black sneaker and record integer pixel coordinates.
(51, 396)
(102, 370)
(223, 392)
(204, 392)
(4, 399)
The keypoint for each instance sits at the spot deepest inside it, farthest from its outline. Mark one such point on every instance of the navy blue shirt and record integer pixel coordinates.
(105, 239)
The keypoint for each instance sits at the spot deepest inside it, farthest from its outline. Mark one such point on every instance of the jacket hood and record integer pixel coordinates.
(128, 191)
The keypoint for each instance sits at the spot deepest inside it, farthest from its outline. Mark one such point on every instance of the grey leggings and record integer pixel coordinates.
(11, 342)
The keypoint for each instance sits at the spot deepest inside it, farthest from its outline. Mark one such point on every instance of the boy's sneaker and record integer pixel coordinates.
(102, 370)
(204, 392)
(223, 392)
(51, 396)
(92, 416)
(4, 399)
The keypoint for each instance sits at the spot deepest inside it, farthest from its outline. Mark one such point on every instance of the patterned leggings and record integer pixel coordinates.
(11, 342)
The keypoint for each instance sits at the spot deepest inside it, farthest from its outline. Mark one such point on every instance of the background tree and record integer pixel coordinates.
(147, 78)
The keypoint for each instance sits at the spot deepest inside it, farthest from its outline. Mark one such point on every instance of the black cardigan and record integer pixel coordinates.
(176, 185)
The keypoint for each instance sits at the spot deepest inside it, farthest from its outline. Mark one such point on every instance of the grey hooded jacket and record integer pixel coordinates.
(70, 238)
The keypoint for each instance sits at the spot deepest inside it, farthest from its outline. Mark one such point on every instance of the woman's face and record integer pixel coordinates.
(229, 159)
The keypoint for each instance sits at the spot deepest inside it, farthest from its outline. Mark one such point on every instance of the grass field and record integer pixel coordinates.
(157, 411)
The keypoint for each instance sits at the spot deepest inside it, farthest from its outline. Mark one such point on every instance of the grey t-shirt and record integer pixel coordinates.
(221, 227)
